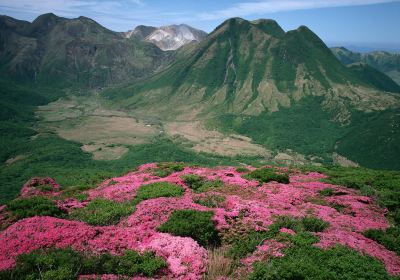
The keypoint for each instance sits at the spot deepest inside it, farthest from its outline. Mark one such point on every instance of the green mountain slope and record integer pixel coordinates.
(388, 63)
(249, 67)
(284, 90)
(73, 52)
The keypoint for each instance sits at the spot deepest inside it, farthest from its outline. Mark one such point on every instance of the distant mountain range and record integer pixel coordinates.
(388, 63)
(167, 38)
(284, 91)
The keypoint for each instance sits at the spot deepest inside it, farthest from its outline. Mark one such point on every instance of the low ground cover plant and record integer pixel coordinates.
(265, 175)
(195, 224)
(166, 169)
(200, 184)
(102, 212)
(244, 244)
(159, 189)
(389, 238)
(210, 200)
(310, 262)
(67, 264)
(35, 206)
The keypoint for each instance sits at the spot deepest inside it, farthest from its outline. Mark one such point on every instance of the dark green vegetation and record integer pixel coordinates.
(159, 189)
(265, 175)
(303, 127)
(210, 200)
(306, 128)
(382, 186)
(102, 212)
(200, 184)
(67, 264)
(327, 192)
(373, 143)
(35, 206)
(245, 244)
(242, 169)
(388, 238)
(166, 169)
(195, 224)
(388, 63)
(374, 77)
(309, 262)
(64, 161)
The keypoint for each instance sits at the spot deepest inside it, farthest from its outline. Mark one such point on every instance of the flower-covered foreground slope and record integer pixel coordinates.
(240, 206)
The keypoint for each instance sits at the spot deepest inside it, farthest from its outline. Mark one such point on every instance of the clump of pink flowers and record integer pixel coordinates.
(256, 206)
(40, 186)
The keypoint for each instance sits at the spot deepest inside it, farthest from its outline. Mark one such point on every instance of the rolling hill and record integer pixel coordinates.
(388, 63)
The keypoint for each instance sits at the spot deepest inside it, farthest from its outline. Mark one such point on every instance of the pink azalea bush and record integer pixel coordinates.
(257, 206)
(35, 187)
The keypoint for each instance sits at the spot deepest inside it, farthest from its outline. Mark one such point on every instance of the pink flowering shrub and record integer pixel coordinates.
(239, 206)
(40, 186)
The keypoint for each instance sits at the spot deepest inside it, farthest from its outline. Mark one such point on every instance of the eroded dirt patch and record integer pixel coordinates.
(104, 133)
(208, 141)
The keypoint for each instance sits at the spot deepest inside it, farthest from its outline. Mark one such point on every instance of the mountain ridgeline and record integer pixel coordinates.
(248, 67)
(388, 63)
(285, 91)
(167, 38)
(60, 52)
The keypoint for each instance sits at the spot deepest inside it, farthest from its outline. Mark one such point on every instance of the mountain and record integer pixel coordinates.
(388, 63)
(248, 89)
(140, 32)
(73, 52)
(169, 37)
(284, 90)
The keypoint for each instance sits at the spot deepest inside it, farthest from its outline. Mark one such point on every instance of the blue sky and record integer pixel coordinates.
(364, 23)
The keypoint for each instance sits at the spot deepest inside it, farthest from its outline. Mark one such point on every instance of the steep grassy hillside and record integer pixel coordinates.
(77, 53)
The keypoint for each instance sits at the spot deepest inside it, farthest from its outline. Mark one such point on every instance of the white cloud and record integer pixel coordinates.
(273, 6)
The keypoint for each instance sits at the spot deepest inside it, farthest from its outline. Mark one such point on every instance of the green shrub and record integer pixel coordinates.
(242, 169)
(211, 201)
(288, 222)
(102, 212)
(200, 184)
(166, 169)
(314, 224)
(265, 175)
(59, 264)
(45, 188)
(310, 262)
(308, 223)
(389, 238)
(327, 192)
(129, 264)
(81, 197)
(67, 264)
(195, 224)
(35, 206)
(158, 189)
(247, 243)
